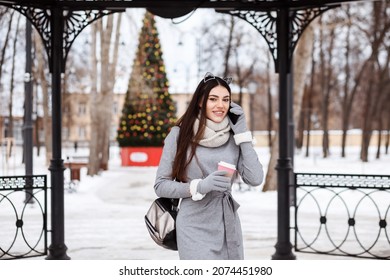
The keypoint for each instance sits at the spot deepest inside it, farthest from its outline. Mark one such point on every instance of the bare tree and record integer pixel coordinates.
(243, 74)
(12, 84)
(229, 46)
(229, 42)
(325, 78)
(302, 60)
(270, 125)
(309, 105)
(384, 96)
(42, 80)
(347, 95)
(387, 117)
(4, 48)
(102, 90)
(376, 34)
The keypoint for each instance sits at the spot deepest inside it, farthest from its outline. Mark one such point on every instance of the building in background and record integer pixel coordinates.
(76, 123)
(76, 118)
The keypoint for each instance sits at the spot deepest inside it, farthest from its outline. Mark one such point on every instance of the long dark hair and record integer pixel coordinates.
(186, 137)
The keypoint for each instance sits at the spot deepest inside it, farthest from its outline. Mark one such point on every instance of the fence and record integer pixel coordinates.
(344, 214)
(23, 216)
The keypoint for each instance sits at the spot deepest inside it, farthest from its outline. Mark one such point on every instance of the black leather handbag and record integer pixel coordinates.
(161, 222)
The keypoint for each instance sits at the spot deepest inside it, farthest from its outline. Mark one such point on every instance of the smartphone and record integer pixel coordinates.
(233, 117)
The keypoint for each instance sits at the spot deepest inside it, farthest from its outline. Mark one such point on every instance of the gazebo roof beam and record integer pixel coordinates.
(255, 5)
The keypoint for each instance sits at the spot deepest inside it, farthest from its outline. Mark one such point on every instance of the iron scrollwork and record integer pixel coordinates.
(74, 23)
(265, 23)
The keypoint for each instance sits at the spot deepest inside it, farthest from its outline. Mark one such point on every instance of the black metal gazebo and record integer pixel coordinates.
(280, 22)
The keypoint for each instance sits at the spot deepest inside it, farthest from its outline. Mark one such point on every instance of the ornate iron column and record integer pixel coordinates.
(283, 166)
(57, 248)
(58, 29)
(281, 28)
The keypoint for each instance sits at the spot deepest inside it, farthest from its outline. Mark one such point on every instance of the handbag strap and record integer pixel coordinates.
(175, 204)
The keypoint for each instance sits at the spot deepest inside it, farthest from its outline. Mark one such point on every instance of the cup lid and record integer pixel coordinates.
(228, 165)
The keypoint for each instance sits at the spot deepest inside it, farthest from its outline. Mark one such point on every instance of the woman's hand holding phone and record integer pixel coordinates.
(237, 119)
(232, 117)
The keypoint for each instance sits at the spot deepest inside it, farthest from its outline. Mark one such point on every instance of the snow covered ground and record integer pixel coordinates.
(104, 218)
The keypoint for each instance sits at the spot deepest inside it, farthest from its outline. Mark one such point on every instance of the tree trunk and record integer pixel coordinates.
(41, 65)
(302, 66)
(344, 106)
(326, 76)
(374, 109)
(301, 63)
(387, 142)
(271, 183)
(301, 123)
(300, 130)
(270, 106)
(307, 117)
(329, 88)
(106, 88)
(383, 87)
(4, 49)
(12, 86)
(376, 77)
(367, 117)
(378, 150)
(270, 117)
(229, 47)
(94, 159)
(310, 103)
(110, 92)
(348, 102)
(101, 105)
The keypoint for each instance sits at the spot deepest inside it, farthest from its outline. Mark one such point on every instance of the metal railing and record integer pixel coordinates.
(23, 216)
(342, 214)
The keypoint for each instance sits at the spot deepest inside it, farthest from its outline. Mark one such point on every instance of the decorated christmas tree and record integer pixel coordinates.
(148, 111)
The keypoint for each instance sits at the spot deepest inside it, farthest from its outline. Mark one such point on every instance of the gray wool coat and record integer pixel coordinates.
(209, 228)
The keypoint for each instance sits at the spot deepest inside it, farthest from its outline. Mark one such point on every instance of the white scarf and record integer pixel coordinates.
(215, 134)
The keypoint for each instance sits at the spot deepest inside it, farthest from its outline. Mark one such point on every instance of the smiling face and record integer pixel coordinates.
(217, 105)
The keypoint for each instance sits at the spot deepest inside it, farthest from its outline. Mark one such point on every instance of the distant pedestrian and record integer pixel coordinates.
(212, 129)
(75, 146)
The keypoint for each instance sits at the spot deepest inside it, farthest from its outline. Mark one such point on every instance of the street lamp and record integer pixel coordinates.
(187, 70)
(191, 57)
(198, 49)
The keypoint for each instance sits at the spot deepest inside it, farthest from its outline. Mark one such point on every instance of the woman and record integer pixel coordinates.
(208, 226)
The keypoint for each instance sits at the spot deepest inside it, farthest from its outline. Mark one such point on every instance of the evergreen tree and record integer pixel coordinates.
(148, 112)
